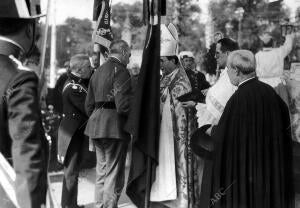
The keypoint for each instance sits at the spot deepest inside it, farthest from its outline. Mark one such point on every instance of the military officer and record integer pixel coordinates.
(107, 104)
(71, 129)
(22, 137)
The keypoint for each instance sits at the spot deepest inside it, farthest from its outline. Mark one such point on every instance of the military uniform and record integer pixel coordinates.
(107, 103)
(21, 132)
(71, 137)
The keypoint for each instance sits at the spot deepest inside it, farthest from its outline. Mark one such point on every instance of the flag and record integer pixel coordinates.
(144, 119)
(35, 7)
(102, 33)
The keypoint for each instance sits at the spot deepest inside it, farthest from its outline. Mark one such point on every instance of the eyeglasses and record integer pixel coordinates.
(217, 54)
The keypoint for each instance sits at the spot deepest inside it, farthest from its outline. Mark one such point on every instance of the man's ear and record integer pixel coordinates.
(237, 72)
(123, 52)
(29, 31)
(173, 61)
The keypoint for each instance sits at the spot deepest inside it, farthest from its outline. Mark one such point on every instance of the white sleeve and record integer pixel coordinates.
(287, 47)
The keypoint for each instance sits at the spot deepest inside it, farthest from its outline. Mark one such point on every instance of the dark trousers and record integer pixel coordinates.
(110, 171)
(71, 171)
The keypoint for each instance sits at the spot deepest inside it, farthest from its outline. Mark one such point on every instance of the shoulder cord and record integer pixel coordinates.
(81, 88)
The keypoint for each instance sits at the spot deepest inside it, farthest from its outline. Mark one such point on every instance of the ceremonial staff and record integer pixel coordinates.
(44, 47)
(51, 203)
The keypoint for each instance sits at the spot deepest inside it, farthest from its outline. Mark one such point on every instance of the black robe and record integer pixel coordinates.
(252, 164)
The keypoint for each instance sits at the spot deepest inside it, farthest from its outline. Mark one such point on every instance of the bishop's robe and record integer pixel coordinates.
(185, 185)
(252, 164)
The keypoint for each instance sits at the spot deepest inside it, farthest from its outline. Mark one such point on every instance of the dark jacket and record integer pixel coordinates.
(252, 155)
(198, 83)
(74, 116)
(57, 93)
(21, 132)
(110, 83)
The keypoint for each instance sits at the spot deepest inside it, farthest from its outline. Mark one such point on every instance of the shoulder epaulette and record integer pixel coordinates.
(19, 64)
(75, 86)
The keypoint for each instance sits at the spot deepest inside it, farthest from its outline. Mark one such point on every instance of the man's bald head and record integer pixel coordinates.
(118, 46)
(121, 50)
(241, 66)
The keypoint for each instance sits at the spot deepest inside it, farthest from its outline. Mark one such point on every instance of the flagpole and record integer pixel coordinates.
(155, 19)
(53, 48)
(44, 42)
(146, 11)
(43, 55)
(148, 182)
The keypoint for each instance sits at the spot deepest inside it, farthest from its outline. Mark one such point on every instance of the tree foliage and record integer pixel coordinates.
(259, 16)
(185, 14)
(134, 12)
(297, 15)
(72, 37)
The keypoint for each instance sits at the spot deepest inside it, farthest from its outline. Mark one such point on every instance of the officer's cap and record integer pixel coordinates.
(20, 9)
(186, 54)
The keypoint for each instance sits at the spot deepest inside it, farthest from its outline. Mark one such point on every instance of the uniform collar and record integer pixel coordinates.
(115, 59)
(194, 71)
(75, 78)
(247, 80)
(10, 47)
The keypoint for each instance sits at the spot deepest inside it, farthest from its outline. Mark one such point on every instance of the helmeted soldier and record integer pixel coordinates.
(22, 138)
(71, 129)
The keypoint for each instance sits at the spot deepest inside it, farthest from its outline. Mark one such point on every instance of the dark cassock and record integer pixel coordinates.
(252, 162)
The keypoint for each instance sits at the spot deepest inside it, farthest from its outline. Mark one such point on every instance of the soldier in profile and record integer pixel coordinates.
(22, 138)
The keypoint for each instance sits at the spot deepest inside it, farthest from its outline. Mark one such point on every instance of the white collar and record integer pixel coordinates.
(245, 81)
(267, 49)
(222, 71)
(12, 42)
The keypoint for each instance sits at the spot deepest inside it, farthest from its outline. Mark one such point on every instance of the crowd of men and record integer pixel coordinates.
(226, 145)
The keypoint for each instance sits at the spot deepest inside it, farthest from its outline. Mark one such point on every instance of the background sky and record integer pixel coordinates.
(84, 8)
(76, 8)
